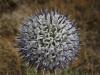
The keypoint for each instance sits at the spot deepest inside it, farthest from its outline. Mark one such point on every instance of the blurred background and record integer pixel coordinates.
(85, 12)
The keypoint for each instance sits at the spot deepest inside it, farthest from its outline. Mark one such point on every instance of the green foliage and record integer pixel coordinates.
(31, 71)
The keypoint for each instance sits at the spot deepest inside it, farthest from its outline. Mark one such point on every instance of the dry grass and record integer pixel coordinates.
(9, 60)
(85, 12)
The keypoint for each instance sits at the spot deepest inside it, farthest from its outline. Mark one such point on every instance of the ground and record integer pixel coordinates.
(86, 13)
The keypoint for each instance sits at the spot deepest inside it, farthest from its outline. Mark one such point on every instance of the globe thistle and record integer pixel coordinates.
(48, 41)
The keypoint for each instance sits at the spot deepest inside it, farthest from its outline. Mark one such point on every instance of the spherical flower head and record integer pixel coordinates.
(49, 41)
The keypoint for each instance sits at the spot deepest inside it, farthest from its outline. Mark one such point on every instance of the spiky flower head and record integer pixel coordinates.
(49, 41)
